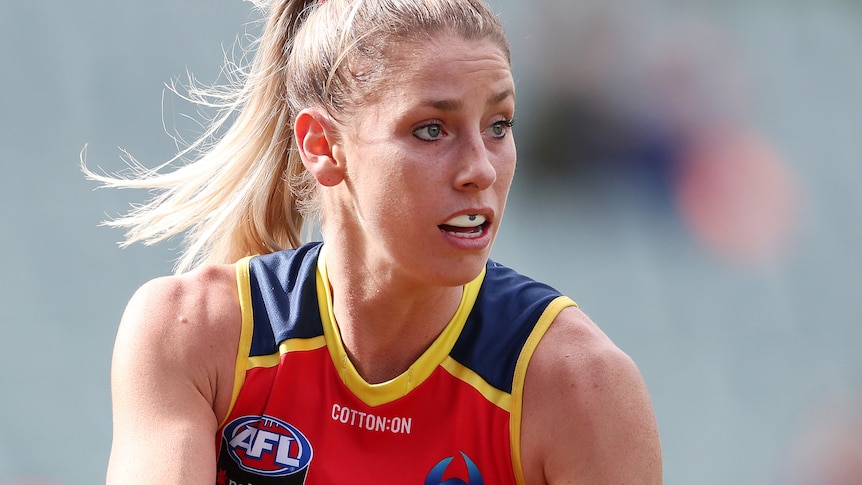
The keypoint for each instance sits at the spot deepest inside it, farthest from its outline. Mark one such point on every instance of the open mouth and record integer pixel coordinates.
(465, 225)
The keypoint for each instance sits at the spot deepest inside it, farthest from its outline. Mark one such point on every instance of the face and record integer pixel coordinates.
(428, 164)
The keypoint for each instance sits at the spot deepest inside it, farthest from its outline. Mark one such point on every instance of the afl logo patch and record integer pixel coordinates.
(267, 446)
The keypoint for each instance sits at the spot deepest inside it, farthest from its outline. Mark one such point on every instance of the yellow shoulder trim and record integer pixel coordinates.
(291, 345)
(500, 398)
(551, 311)
(244, 291)
(385, 392)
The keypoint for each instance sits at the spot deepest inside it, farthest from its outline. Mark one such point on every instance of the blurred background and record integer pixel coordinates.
(689, 172)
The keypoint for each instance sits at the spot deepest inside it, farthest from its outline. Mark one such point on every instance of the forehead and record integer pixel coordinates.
(445, 65)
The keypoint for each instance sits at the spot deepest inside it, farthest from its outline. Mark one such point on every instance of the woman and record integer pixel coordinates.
(395, 352)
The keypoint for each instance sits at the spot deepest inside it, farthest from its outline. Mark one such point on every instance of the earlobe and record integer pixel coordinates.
(314, 140)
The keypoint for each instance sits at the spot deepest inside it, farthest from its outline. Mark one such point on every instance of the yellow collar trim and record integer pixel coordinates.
(385, 392)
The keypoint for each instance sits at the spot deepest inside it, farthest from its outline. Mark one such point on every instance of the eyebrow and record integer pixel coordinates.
(499, 97)
(456, 104)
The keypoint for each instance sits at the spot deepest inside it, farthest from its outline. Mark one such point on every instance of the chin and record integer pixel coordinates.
(462, 272)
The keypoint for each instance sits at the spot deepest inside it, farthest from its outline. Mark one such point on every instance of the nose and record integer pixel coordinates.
(475, 170)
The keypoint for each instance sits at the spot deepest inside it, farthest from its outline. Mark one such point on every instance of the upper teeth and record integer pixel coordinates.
(466, 220)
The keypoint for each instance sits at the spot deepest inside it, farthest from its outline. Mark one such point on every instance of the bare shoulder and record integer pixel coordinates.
(172, 376)
(184, 319)
(196, 304)
(587, 414)
(206, 293)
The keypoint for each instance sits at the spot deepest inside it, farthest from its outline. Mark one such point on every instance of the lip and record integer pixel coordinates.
(486, 212)
(474, 241)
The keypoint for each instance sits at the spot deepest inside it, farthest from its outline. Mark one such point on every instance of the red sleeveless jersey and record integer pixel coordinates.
(301, 414)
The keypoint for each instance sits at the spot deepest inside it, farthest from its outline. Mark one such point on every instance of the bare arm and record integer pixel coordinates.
(587, 415)
(172, 378)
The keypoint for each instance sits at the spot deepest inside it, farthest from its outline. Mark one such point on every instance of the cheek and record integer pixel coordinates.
(506, 166)
(398, 186)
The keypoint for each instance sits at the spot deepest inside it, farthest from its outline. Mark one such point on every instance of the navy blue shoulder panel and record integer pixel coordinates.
(506, 311)
(284, 297)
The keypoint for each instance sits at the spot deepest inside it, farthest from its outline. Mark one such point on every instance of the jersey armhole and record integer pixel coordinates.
(551, 311)
(243, 283)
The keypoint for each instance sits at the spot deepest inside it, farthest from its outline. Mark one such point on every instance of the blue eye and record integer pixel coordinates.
(429, 132)
(499, 129)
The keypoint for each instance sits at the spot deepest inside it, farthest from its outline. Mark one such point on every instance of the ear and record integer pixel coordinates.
(315, 137)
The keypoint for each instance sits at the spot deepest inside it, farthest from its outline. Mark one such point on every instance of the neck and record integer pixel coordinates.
(386, 324)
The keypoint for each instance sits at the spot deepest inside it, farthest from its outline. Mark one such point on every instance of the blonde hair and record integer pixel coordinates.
(246, 191)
